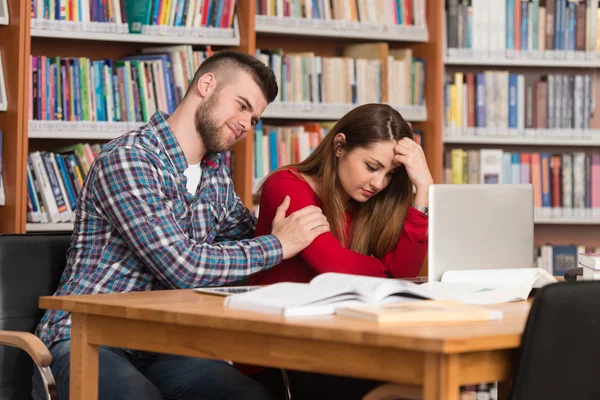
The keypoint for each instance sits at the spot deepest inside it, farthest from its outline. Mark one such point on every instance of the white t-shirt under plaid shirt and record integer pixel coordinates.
(137, 228)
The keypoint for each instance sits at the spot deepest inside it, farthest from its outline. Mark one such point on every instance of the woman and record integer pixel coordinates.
(362, 176)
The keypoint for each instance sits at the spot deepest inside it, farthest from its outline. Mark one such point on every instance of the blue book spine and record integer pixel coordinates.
(512, 100)
(219, 14)
(559, 23)
(273, 153)
(524, 26)
(179, 14)
(48, 88)
(77, 88)
(100, 116)
(469, 29)
(516, 168)
(480, 115)
(65, 90)
(571, 26)
(154, 19)
(117, 98)
(56, 192)
(66, 181)
(510, 24)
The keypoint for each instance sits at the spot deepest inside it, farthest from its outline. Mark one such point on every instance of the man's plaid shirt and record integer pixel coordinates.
(137, 228)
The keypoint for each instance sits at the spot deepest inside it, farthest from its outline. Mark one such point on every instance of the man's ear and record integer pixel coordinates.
(338, 142)
(206, 85)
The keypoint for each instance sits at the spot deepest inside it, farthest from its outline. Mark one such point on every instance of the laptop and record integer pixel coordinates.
(481, 226)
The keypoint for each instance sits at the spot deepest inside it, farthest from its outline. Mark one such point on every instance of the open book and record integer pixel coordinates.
(489, 286)
(325, 293)
(330, 291)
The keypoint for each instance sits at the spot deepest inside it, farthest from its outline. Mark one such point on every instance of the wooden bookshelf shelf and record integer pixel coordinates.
(332, 112)
(593, 141)
(558, 59)
(567, 220)
(339, 29)
(98, 31)
(83, 130)
(58, 227)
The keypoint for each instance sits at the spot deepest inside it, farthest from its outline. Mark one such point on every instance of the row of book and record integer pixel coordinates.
(130, 89)
(384, 12)
(500, 99)
(490, 26)
(307, 78)
(558, 259)
(564, 184)
(138, 13)
(55, 179)
(279, 145)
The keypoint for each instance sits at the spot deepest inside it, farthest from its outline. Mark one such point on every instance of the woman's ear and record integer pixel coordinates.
(338, 142)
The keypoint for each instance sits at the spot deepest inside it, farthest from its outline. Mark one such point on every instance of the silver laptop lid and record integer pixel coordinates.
(479, 227)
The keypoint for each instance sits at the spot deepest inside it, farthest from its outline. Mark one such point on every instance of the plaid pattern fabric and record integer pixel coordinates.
(137, 228)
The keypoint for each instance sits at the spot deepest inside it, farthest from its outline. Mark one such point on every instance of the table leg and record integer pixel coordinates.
(84, 361)
(441, 377)
(503, 390)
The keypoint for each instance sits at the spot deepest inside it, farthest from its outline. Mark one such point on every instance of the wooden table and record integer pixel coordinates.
(440, 357)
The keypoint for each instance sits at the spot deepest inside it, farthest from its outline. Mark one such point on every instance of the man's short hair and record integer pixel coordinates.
(223, 64)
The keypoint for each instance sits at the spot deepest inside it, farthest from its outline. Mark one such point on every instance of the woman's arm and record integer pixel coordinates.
(326, 254)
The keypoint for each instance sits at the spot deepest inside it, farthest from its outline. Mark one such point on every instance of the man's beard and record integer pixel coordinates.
(207, 128)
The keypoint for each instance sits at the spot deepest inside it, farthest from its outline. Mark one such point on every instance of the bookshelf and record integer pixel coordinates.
(532, 45)
(26, 37)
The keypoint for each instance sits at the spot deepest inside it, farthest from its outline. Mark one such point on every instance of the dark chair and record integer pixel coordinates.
(560, 347)
(574, 274)
(30, 267)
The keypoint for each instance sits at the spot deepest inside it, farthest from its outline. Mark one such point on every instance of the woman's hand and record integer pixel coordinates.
(410, 154)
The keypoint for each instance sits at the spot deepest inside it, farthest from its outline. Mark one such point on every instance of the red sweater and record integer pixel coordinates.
(325, 253)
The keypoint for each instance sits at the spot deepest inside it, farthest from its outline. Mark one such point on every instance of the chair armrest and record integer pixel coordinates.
(36, 349)
(572, 274)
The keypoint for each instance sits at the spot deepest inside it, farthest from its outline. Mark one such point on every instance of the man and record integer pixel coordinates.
(158, 211)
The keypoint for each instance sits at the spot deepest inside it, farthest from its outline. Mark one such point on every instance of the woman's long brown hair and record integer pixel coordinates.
(376, 223)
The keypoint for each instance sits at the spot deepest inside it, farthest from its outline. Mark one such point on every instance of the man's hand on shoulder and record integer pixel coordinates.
(299, 229)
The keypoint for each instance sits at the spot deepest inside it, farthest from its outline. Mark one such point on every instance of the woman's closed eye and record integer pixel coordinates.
(242, 106)
(371, 168)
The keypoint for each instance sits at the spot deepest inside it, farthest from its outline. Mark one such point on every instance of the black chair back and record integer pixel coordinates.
(30, 266)
(560, 349)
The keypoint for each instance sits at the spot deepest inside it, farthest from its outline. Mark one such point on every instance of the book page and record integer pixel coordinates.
(372, 290)
(529, 277)
(348, 282)
(289, 294)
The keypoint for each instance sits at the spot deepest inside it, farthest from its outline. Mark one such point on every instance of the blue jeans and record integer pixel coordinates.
(152, 376)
